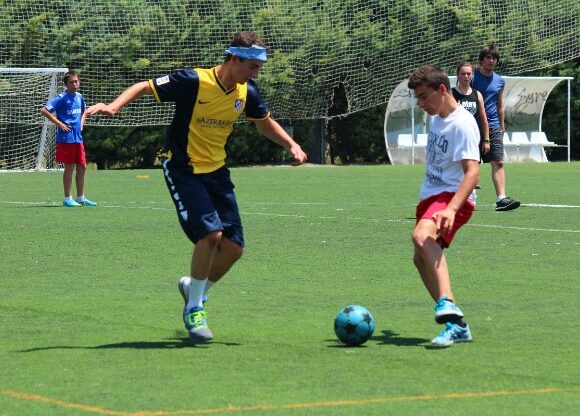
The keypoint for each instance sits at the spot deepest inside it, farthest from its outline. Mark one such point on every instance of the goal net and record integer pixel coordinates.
(328, 58)
(26, 137)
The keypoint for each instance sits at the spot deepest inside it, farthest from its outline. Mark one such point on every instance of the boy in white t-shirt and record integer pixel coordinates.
(447, 197)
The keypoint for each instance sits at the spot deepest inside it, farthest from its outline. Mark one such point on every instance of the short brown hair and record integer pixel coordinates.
(430, 76)
(246, 39)
(68, 75)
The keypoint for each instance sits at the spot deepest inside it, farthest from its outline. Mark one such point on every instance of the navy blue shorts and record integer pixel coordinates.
(204, 202)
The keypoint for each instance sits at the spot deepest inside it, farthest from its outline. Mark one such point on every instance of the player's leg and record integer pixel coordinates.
(67, 178)
(498, 177)
(203, 259)
(495, 157)
(228, 253)
(429, 248)
(80, 180)
(81, 163)
(201, 223)
(231, 247)
(222, 259)
(65, 155)
(430, 260)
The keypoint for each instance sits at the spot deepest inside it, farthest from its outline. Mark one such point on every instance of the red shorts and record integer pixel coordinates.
(429, 206)
(71, 153)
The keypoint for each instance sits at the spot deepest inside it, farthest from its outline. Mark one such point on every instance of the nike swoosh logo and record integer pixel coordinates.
(202, 102)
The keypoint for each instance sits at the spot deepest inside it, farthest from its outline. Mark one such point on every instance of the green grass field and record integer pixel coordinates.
(90, 314)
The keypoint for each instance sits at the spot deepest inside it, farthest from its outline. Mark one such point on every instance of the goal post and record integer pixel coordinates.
(25, 135)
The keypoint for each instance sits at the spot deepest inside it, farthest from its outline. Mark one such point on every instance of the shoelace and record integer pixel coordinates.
(441, 303)
(198, 318)
(449, 329)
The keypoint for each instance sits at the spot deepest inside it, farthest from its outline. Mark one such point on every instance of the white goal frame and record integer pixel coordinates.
(51, 92)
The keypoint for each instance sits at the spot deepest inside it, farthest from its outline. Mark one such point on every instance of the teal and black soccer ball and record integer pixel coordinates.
(354, 325)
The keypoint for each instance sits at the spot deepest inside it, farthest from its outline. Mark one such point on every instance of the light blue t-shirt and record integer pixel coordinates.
(490, 88)
(69, 109)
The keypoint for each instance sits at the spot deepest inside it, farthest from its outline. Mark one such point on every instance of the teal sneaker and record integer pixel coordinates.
(183, 286)
(196, 324)
(70, 203)
(452, 334)
(87, 203)
(444, 309)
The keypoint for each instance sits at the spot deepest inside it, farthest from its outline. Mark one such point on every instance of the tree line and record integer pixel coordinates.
(331, 61)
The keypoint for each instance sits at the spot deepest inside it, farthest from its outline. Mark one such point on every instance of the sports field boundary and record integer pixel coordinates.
(265, 407)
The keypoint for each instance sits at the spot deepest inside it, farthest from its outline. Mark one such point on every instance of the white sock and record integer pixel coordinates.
(499, 198)
(80, 198)
(68, 198)
(195, 295)
(208, 286)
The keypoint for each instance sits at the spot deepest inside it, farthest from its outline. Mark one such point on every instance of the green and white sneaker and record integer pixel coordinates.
(452, 334)
(195, 321)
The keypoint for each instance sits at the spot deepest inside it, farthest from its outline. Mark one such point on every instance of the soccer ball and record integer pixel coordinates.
(354, 325)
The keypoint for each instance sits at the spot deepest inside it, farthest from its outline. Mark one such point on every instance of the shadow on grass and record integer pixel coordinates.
(386, 338)
(170, 343)
(337, 344)
(41, 206)
(392, 338)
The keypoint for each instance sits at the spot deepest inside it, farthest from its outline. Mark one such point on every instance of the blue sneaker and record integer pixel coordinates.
(452, 334)
(183, 286)
(86, 203)
(444, 308)
(196, 324)
(70, 203)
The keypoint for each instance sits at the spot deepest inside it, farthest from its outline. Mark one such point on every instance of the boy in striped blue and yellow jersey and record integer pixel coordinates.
(207, 103)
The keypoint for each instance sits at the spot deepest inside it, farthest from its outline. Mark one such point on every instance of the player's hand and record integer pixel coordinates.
(64, 127)
(100, 108)
(444, 220)
(299, 157)
(485, 148)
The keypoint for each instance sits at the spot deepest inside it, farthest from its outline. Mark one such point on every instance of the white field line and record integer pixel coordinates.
(550, 206)
(32, 203)
(133, 205)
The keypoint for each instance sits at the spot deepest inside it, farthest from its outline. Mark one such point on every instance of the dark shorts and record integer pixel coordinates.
(495, 146)
(429, 206)
(71, 153)
(205, 202)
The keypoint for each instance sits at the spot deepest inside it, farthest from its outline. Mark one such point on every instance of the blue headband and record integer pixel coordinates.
(254, 52)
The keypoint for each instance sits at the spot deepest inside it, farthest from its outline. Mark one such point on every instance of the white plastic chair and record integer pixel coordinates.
(421, 139)
(404, 140)
(539, 137)
(520, 137)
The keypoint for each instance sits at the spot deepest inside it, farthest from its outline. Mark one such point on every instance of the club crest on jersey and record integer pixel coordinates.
(238, 105)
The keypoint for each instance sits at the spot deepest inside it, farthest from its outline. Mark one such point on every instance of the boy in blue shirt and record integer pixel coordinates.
(490, 84)
(67, 112)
